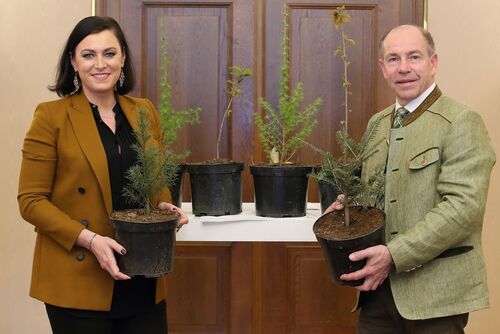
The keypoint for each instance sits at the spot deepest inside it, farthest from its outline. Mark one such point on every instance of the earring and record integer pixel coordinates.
(122, 78)
(76, 83)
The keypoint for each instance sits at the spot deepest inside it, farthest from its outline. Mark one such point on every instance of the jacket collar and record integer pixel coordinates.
(423, 107)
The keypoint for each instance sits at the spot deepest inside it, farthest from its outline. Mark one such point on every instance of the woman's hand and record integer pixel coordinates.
(183, 217)
(103, 249)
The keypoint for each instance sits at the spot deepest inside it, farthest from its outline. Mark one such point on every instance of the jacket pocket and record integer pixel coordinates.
(425, 158)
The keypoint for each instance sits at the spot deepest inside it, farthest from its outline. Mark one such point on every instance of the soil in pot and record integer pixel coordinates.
(216, 188)
(149, 241)
(280, 191)
(337, 241)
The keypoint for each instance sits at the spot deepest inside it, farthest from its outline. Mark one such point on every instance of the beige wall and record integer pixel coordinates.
(32, 33)
(467, 36)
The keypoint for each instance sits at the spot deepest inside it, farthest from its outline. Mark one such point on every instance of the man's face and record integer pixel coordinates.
(406, 63)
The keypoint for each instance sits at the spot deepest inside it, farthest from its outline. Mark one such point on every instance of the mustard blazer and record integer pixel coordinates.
(64, 183)
(437, 176)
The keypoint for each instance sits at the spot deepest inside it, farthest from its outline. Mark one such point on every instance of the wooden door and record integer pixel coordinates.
(256, 288)
(259, 288)
(205, 37)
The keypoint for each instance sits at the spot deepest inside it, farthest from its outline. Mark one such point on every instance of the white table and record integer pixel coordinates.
(246, 226)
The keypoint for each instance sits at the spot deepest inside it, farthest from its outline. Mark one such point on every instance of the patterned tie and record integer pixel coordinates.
(398, 118)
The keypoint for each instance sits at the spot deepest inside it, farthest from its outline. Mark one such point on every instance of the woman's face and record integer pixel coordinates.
(98, 59)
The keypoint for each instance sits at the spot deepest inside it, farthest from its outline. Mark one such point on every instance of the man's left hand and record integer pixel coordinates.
(377, 268)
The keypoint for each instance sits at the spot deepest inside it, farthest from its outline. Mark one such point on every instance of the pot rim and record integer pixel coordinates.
(355, 237)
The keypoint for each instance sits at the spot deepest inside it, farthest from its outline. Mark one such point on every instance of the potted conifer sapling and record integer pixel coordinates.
(361, 223)
(148, 234)
(216, 188)
(281, 185)
(327, 192)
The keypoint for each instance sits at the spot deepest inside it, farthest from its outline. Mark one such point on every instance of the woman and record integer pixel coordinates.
(75, 156)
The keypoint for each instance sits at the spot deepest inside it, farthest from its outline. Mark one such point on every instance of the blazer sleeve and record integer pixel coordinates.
(38, 168)
(462, 186)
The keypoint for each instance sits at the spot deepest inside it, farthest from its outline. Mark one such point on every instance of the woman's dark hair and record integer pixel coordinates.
(90, 25)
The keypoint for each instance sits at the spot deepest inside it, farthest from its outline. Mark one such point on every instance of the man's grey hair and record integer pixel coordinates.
(431, 49)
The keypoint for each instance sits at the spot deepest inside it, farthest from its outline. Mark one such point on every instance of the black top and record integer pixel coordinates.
(138, 294)
(119, 153)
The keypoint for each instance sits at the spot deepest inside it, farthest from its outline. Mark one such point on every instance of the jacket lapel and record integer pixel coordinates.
(129, 109)
(83, 123)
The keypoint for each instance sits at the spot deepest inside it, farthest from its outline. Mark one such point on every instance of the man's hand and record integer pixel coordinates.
(337, 205)
(377, 268)
(183, 217)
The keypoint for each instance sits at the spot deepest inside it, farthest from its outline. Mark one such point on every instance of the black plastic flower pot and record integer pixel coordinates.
(216, 188)
(149, 245)
(337, 241)
(176, 188)
(280, 191)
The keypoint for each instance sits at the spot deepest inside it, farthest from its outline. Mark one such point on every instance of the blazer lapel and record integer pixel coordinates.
(83, 123)
(129, 109)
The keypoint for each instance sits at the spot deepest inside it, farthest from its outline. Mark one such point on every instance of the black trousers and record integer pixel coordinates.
(65, 321)
(379, 315)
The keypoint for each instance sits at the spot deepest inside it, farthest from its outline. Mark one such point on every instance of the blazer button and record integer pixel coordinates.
(81, 190)
(84, 222)
(80, 256)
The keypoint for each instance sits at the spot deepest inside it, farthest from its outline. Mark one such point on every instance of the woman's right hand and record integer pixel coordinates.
(103, 249)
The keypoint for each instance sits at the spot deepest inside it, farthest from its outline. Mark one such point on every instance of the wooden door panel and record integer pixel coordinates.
(198, 289)
(315, 303)
(298, 295)
(198, 51)
(313, 38)
(257, 287)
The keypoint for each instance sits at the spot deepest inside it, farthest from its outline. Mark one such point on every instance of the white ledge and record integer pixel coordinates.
(247, 227)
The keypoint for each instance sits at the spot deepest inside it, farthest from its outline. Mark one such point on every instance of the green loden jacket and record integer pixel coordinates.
(64, 183)
(438, 169)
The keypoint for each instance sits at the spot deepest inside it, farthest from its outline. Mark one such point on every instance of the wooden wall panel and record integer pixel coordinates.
(298, 295)
(256, 287)
(198, 289)
(315, 303)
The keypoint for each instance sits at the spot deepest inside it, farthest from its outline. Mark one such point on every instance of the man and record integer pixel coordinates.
(438, 159)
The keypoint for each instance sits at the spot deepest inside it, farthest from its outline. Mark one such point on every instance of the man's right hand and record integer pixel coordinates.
(337, 205)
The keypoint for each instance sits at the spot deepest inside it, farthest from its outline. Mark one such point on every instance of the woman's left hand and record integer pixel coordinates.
(183, 217)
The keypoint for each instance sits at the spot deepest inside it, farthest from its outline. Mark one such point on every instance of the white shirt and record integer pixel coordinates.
(413, 104)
